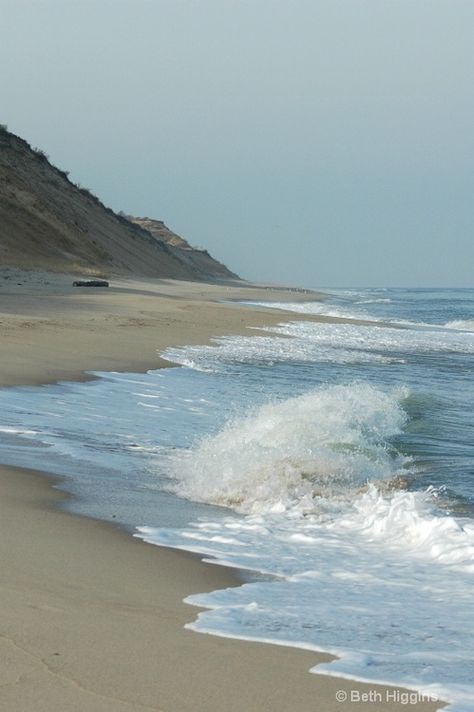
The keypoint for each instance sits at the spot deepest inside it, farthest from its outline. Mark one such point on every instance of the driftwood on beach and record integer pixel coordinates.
(90, 283)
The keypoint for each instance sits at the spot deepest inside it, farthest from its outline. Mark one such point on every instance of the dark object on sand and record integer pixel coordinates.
(90, 283)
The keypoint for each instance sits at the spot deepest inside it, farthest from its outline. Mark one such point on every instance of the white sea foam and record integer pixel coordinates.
(383, 561)
(317, 308)
(351, 314)
(408, 521)
(312, 342)
(358, 338)
(17, 431)
(374, 301)
(384, 583)
(289, 454)
(268, 350)
(462, 324)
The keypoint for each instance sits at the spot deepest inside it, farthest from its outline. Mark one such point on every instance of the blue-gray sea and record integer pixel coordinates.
(334, 460)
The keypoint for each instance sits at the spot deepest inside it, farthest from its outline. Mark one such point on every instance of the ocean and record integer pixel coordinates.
(332, 463)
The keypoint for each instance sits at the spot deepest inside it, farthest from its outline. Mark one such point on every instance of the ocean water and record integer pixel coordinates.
(333, 463)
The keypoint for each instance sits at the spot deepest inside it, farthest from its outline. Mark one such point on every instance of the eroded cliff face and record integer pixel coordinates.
(195, 258)
(48, 222)
(159, 230)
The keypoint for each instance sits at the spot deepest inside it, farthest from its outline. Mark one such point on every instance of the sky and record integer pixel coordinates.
(306, 142)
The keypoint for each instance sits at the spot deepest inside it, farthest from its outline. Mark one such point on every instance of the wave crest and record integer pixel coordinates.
(287, 455)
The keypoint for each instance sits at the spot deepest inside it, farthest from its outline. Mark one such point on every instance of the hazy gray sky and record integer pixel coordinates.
(308, 142)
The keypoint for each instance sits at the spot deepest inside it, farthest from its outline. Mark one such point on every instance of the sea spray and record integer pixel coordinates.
(288, 455)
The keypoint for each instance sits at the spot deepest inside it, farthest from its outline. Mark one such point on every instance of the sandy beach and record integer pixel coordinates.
(53, 331)
(93, 619)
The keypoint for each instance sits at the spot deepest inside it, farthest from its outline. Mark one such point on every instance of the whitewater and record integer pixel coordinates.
(332, 460)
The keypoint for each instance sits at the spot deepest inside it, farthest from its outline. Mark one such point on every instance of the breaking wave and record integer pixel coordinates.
(288, 455)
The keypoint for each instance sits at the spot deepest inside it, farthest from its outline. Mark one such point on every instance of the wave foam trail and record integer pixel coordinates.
(382, 338)
(384, 584)
(461, 324)
(374, 301)
(407, 521)
(268, 350)
(318, 308)
(314, 342)
(290, 455)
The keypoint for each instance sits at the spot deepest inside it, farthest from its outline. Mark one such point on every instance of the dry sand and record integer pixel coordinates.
(92, 619)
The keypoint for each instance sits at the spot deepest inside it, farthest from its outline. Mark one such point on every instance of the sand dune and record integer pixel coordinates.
(48, 222)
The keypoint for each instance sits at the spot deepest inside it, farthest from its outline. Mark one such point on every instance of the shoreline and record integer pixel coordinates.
(80, 631)
(52, 331)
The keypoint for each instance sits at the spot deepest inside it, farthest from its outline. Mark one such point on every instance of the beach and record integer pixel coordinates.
(93, 619)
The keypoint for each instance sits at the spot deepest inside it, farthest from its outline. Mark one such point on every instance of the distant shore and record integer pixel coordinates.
(93, 618)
